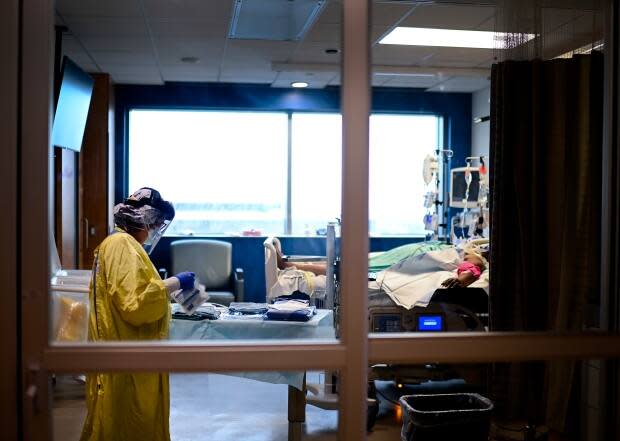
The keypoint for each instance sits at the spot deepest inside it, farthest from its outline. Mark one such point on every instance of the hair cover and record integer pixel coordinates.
(143, 209)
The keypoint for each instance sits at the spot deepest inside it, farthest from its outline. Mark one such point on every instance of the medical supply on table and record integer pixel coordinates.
(245, 308)
(291, 308)
(203, 312)
(190, 299)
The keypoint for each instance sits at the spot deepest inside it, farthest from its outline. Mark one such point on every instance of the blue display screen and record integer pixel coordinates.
(430, 323)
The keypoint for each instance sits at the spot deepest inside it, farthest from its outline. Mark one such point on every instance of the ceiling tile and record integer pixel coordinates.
(189, 73)
(99, 8)
(211, 10)
(388, 13)
(410, 81)
(181, 28)
(463, 56)
(114, 43)
(324, 33)
(461, 84)
(331, 13)
(106, 26)
(398, 55)
(314, 53)
(171, 50)
(448, 16)
(119, 69)
(127, 58)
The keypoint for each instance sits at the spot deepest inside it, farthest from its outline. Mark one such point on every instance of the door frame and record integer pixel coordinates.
(350, 355)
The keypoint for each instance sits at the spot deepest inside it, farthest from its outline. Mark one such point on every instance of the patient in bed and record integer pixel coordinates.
(474, 263)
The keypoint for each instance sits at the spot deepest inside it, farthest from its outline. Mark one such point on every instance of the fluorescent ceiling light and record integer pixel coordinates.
(299, 84)
(449, 38)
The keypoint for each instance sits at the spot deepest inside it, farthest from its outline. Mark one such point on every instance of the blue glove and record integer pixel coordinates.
(186, 279)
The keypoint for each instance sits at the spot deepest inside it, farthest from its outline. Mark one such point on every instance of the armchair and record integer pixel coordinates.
(211, 260)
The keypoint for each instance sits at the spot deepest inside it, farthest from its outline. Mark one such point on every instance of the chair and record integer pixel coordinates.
(211, 260)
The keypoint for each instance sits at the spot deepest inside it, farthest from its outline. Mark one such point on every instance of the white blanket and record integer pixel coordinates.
(413, 281)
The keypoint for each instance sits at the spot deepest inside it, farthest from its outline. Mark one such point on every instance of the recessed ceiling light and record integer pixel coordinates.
(449, 38)
(190, 60)
(299, 84)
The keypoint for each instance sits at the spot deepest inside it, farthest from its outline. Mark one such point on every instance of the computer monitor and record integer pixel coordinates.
(76, 89)
(458, 187)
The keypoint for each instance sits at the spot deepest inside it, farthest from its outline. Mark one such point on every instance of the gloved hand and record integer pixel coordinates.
(186, 279)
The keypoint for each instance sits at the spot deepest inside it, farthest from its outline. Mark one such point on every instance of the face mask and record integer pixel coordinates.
(154, 235)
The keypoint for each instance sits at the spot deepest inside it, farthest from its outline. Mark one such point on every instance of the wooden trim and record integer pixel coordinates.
(36, 166)
(355, 95)
(490, 347)
(255, 356)
(9, 86)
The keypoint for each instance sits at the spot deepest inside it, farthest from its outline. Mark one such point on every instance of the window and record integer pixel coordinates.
(228, 171)
(398, 146)
(316, 170)
(225, 171)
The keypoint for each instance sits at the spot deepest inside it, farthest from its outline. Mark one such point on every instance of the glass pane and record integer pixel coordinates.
(522, 157)
(262, 406)
(230, 112)
(197, 159)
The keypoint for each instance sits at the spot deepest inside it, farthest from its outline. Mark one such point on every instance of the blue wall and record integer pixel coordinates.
(455, 108)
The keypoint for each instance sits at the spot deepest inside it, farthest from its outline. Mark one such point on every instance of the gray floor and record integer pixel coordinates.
(222, 408)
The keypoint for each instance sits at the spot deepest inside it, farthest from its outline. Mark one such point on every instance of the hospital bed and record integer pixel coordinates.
(447, 310)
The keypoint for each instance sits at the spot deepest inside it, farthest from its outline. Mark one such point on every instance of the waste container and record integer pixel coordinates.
(458, 416)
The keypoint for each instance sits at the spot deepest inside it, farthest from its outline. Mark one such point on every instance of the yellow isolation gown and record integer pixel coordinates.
(128, 302)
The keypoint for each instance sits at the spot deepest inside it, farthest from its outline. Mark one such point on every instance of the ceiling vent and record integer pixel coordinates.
(278, 20)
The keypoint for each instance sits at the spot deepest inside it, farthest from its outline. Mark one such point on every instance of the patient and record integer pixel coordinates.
(319, 268)
(474, 263)
(468, 272)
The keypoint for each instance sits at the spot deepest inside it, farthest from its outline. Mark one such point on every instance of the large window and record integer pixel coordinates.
(228, 171)
(225, 171)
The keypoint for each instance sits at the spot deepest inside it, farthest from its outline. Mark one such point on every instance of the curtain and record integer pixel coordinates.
(546, 142)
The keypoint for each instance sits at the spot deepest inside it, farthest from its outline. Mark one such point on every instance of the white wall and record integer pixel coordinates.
(480, 106)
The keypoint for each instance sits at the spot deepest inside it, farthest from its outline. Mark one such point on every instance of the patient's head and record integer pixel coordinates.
(475, 259)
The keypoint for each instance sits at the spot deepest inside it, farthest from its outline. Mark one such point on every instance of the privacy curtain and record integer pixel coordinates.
(546, 142)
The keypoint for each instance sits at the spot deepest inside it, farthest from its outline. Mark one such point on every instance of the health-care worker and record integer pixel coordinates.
(129, 301)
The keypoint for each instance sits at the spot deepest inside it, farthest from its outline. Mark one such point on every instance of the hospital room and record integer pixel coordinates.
(287, 220)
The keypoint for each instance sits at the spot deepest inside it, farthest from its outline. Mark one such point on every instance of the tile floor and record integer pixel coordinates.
(223, 408)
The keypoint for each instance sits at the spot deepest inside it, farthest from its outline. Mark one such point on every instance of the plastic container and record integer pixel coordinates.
(70, 310)
(459, 416)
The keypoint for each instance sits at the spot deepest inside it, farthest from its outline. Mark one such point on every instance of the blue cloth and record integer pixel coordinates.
(298, 315)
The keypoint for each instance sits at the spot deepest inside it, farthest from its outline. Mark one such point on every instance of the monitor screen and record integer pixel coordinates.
(430, 323)
(76, 89)
(458, 187)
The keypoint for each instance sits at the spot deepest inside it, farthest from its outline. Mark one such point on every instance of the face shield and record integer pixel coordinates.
(145, 210)
(155, 233)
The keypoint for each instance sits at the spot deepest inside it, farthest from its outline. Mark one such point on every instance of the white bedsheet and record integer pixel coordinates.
(413, 281)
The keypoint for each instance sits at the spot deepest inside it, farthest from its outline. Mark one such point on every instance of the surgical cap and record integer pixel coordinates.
(143, 209)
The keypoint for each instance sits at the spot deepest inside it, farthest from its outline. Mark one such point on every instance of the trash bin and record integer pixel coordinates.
(459, 416)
